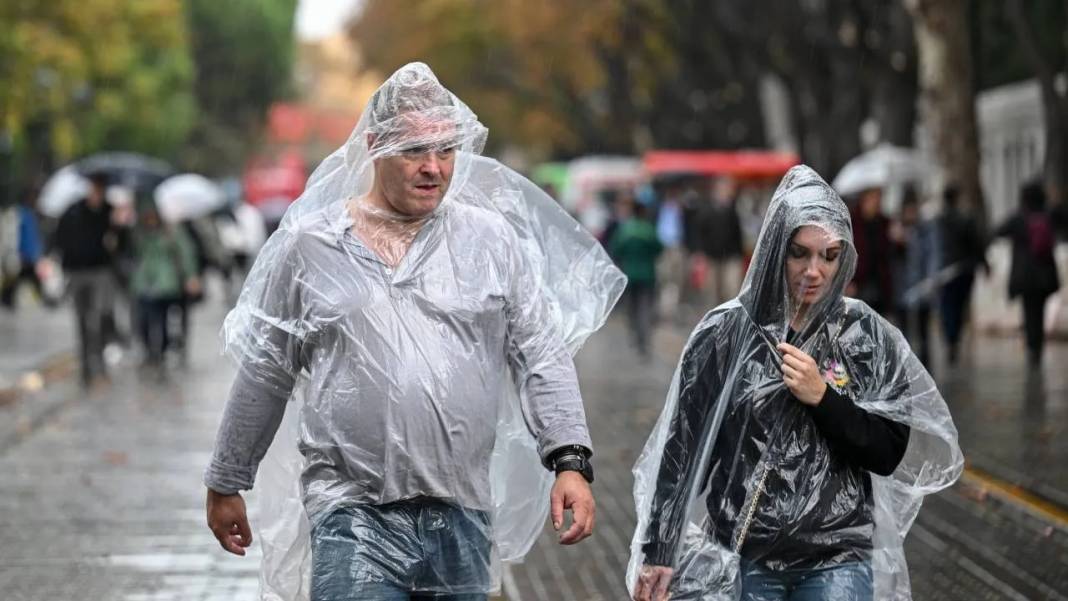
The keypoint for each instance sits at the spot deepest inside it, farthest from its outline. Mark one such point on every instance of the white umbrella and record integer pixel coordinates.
(63, 189)
(884, 166)
(188, 196)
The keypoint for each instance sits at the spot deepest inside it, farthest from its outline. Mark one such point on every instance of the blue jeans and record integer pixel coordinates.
(843, 582)
(409, 550)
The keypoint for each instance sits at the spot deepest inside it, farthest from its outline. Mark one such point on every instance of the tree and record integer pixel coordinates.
(243, 50)
(81, 76)
(944, 41)
(1046, 56)
(843, 62)
(526, 68)
(626, 75)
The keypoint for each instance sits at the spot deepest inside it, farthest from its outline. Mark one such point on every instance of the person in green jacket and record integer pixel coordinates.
(635, 247)
(165, 268)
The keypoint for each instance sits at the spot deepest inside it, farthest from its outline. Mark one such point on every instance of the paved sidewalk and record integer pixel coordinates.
(103, 501)
(32, 337)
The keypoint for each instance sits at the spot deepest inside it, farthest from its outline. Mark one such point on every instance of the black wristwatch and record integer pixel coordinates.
(574, 458)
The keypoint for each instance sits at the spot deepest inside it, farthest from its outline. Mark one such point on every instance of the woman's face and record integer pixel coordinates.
(812, 259)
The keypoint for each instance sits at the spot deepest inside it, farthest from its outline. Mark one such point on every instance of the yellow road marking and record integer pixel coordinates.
(1015, 494)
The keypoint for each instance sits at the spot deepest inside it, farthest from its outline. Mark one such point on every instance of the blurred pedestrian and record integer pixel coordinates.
(671, 266)
(635, 248)
(873, 281)
(409, 289)
(719, 240)
(211, 254)
(916, 261)
(1033, 275)
(620, 205)
(242, 233)
(164, 270)
(24, 260)
(10, 259)
(86, 239)
(799, 436)
(962, 252)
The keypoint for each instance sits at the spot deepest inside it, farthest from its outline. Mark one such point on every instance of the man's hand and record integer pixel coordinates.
(228, 521)
(653, 583)
(802, 375)
(571, 491)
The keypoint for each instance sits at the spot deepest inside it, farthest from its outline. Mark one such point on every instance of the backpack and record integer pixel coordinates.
(1040, 236)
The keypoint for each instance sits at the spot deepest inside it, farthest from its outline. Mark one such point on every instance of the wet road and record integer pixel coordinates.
(101, 495)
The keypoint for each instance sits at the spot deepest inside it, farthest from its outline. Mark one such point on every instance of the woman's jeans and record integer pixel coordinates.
(843, 582)
(415, 549)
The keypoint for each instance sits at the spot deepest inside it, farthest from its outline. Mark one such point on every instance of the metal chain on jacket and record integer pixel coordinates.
(752, 508)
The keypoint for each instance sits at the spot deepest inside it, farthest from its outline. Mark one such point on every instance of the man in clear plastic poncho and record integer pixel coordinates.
(422, 305)
(799, 436)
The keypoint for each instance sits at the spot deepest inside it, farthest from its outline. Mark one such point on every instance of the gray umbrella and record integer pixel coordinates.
(131, 169)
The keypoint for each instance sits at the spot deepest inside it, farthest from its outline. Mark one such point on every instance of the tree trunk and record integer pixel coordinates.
(948, 100)
(1054, 103)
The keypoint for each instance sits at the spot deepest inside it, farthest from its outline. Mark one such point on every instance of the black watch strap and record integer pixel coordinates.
(573, 459)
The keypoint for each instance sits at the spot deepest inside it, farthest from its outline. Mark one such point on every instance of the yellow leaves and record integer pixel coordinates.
(523, 66)
(64, 137)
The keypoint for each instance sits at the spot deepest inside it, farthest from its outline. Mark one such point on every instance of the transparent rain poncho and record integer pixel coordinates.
(739, 476)
(429, 358)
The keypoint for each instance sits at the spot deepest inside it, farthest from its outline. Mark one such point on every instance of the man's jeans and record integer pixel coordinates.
(844, 582)
(414, 549)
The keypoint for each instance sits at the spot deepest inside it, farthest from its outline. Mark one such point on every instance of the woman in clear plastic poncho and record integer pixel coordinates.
(424, 324)
(799, 436)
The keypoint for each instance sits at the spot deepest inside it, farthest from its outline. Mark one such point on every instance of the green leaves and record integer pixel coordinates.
(96, 73)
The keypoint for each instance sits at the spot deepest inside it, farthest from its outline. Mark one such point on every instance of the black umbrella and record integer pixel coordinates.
(131, 169)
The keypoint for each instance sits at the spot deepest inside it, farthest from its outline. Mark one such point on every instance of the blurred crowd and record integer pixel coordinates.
(133, 273)
(132, 270)
(685, 245)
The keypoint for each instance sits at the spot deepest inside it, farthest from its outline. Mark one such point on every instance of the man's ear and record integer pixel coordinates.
(371, 140)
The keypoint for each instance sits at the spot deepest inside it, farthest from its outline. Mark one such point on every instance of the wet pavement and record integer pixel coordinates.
(102, 497)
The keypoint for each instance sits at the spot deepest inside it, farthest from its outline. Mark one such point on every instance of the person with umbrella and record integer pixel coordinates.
(164, 270)
(86, 239)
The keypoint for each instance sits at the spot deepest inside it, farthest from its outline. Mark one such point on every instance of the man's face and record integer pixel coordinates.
(414, 180)
(96, 194)
(724, 189)
(871, 203)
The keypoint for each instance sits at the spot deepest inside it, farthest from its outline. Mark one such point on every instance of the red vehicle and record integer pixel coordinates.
(273, 183)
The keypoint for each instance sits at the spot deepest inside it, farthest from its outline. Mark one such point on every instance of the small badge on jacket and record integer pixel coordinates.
(834, 373)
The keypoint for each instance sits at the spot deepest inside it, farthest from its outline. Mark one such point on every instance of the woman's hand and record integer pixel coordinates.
(802, 375)
(653, 583)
